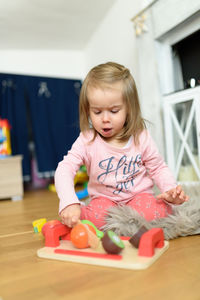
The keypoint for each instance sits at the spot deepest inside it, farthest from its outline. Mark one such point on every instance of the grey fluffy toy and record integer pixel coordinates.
(184, 221)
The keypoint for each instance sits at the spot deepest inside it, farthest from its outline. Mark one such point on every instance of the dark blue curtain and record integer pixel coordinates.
(13, 108)
(42, 112)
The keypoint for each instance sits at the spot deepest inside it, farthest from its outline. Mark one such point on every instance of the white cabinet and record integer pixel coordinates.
(181, 112)
(11, 180)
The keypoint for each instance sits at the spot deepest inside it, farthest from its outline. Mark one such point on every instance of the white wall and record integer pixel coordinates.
(169, 13)
(63, 64)
(114, 40)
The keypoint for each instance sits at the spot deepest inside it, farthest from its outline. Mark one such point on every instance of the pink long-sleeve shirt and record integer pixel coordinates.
(116, 173)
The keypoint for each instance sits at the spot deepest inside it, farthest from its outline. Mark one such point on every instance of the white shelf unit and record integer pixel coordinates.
(181, 112)
(11, 180)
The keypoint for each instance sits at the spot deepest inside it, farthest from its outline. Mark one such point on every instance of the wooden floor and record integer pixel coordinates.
(24, 276)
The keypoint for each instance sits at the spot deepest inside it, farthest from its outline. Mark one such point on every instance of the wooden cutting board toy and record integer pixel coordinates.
(58, 245)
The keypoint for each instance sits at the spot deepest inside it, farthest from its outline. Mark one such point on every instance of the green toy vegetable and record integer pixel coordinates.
(99, 233)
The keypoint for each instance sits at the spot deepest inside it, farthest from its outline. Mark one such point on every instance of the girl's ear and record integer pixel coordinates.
(90, 122)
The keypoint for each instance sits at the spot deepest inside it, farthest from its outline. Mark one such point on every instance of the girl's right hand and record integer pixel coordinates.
(70, 215)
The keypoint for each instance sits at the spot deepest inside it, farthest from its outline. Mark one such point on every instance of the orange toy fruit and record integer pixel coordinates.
(79, 236)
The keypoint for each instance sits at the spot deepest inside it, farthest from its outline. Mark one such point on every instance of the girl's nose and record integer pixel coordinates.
(105, 116)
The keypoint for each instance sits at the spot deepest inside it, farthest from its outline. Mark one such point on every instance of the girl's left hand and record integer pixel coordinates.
(174, 196)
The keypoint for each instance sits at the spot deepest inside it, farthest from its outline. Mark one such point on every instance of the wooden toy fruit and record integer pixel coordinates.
(79, 235)
(135, 239)
(112, 243)
(99, 233)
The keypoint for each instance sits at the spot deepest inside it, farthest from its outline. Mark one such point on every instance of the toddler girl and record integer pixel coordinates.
(122, 160)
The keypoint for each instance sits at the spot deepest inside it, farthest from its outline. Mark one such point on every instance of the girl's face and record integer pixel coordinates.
(107, 110)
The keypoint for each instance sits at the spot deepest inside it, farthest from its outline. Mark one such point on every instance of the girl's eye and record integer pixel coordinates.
(114, 111)
(97, 112)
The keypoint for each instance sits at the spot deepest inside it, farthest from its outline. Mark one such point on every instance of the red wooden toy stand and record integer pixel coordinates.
(152, 246)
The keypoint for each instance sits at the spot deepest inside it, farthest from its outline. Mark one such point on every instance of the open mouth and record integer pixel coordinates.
(106, 130)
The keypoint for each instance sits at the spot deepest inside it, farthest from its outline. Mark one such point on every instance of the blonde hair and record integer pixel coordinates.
(105, 75)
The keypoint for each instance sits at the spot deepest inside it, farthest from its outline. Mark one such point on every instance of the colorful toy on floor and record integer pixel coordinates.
(58, 245)
(81, 176)
(52, 188)
(82, 194)
(5, 144)
(38, 224)
(2, 137)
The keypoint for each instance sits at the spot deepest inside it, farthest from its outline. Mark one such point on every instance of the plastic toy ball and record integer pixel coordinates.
(79, 236)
